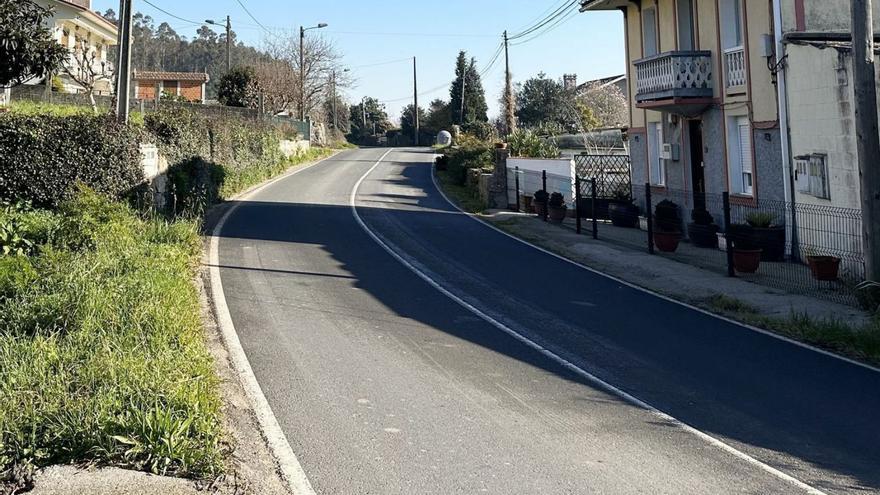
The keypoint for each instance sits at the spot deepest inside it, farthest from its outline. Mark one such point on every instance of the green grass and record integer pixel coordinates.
(102, 355)
(858, 342)
(237, 180)
(25, 107)
(465, 197)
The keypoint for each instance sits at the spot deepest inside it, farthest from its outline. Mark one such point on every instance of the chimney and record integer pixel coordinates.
(570, 82)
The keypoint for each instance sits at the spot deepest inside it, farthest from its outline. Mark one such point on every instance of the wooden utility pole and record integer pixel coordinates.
(463, 92)
(509, 107)
(415, 102)
(867, 134)
(123, 65)
(228, 44)
(302, 74)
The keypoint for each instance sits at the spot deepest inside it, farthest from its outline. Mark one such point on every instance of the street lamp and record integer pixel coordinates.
(228, 41)
(302, 68)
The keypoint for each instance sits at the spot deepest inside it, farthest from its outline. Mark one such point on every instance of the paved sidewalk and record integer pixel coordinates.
(666, 276)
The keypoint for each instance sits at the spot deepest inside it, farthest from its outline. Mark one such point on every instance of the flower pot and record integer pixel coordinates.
(771, 241)
(704, 236)
(667, 242)
(500, 146)
(540, 207)
(527, 203)
(624, 215)
(824, 268)
(557, 213)
(746, 260)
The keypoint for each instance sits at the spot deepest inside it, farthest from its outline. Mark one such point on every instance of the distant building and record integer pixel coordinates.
(73, 21)
(189, 85)
(619, 81)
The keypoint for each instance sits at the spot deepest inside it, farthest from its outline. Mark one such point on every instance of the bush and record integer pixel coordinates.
(667, 216)
(42, 157)
(527, 144)
(469, 153)
(101, 345)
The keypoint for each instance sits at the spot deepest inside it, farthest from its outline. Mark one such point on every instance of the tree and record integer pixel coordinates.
(438, 118)
(368, 121)
(343, 115)
(542, 101)
(606, 104)
(468, 87)
(85, 68)
(27, 47)
(407, 122)
(238, 88)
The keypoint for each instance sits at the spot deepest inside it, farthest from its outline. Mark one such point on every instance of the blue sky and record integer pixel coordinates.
(590, 44)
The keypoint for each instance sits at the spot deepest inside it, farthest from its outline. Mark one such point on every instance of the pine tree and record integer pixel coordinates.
(475, 97)
(455, 91)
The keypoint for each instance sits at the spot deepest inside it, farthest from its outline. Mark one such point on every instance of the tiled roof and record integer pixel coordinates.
(146, 75)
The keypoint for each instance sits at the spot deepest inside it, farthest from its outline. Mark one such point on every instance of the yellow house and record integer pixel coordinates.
(80, 29)
(703, 103)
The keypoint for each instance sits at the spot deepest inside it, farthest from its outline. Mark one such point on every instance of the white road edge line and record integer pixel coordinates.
(291, 470)
(567, 364)
(649, 291)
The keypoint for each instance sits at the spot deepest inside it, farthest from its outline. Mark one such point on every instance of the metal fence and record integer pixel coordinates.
(800, 248)
(612, 172)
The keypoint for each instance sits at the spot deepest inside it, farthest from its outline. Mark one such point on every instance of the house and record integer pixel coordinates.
(188, 85)
(703, 112)
(89, 37)
(617, 80)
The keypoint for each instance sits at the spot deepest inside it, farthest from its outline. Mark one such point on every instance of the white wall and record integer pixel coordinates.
(560, 176)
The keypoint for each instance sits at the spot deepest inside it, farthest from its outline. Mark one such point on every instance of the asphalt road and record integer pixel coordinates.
(384, 385)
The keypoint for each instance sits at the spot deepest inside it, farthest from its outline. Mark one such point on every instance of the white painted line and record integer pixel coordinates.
(649, 291)
(562, 361)
(291, 470)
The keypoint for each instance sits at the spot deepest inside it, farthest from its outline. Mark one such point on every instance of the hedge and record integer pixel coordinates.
(42, 157)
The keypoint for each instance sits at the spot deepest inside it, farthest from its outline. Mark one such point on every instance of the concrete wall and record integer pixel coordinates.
(560, 176)
(822, 15)
(293, 148)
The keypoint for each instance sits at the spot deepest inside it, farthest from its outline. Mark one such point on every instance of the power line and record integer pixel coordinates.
(248, 12)
(388, 62)
(541, 16)
(560, 12)
(160, 9)
(551, 27)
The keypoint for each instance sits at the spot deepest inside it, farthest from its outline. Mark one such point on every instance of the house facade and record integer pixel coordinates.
(703, 111)
(80, 29)
(188, 85)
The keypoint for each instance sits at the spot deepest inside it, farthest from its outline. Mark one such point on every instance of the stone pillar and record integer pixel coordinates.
(498, 185)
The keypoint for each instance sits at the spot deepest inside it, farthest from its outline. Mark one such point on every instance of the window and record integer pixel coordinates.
(657, 165)
(811, 175)
(171, 87)
(685, 15)
(731, 23)
(649, 31)
(739, 155)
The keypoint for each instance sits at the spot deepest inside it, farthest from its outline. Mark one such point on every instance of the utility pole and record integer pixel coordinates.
(364, 110)
(123, 65)
(228, 44)
(509, 107)
(302, 68)
(335, 113)
(415, 102)
(463, 88)
(867, 135)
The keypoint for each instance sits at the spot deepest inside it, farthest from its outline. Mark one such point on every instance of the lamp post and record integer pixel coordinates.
(302, 68)
(228, 41)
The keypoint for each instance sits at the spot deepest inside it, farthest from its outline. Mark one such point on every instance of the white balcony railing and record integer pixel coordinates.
(679, 74)
(735, 66)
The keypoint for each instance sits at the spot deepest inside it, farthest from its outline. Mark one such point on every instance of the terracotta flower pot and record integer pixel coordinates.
(527, 203)
(747, 260)
(824, 268)
(540, 207)
(667, 242)
(557, 213)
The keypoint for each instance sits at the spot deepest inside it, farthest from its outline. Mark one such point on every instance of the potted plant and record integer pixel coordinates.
(623, 212)
(767, 236)
(500, 145)
(526, 202)
(557, 208)
(703, 231)
(746, 252)
(824, 268)
(667, 226)
(539, 202)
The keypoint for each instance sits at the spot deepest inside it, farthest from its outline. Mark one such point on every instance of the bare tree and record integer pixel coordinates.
(278, 82)
(607, 104)
(86, 68)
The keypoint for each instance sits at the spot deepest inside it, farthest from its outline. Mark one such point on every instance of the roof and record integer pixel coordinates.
(602, 4)
(83, 7)
(146, 75)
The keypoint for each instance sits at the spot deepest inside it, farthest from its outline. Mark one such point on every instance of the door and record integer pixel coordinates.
(698, 174)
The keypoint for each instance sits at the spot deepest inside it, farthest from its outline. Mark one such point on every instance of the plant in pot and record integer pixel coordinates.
(539, 202)
(767, 236)
(667, 226)
(557, 208)
(824, 268)
(623, 212)
(702, 230)
(746, 252)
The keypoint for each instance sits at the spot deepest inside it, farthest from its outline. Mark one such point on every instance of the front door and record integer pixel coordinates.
(698, 176)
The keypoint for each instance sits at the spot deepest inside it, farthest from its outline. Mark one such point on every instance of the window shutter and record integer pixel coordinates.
(649, 30)
(745, 154)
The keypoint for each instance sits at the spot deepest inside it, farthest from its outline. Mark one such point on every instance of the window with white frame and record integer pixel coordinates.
(811, 175)
(739, 155)
(657, 166)
(649, 31)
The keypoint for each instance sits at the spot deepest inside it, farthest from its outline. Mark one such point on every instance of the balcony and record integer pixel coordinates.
(679, 82)
(735, 67)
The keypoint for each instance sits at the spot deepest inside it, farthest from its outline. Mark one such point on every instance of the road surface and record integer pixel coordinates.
(384, 384)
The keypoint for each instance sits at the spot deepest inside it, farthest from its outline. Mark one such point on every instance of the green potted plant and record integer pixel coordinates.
(667, 226)
(539, 202)
(702, 230)
(623, 212)
(746, 252)
(556, 207)
(824, 268)
(767, 236)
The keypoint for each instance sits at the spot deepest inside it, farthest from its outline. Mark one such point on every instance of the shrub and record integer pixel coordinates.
(667, 216)
(760, 220)
(42, 157)
(470, 153)
(541, 196)
(525, 143)
(701, 216)
(557, 200)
